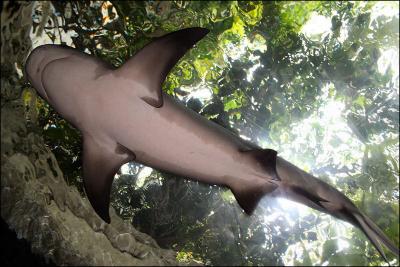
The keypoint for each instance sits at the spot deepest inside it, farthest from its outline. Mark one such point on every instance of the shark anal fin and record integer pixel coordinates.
(100, 163)
(249, 192)
(150, 66)
(248, 195)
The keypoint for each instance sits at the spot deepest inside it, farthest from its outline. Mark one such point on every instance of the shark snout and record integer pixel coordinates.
(34, 66)
(37, 61)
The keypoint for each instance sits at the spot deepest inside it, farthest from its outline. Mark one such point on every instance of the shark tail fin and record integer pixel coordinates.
(352, 214)
(248, 193)
(321, 196)
(375, 235)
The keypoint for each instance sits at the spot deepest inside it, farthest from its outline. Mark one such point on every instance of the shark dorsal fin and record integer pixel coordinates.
(101, 160)
(151, 64)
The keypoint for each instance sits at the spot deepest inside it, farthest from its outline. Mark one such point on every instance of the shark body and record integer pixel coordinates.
(124, 116)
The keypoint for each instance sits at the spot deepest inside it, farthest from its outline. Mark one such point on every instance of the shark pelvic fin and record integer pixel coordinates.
(150, 66)
(100, 163)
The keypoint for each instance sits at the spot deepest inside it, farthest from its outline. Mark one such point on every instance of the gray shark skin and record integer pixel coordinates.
(124, 116)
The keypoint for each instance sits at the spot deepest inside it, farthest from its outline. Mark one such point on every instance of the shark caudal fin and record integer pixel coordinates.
(249, 192)
(375, 235)
(353, 215)
(150, 66)
(304, 188)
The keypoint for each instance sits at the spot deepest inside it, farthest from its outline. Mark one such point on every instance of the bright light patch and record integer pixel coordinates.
(250, 73)
(143, 174)
(236, 51)
(389, 58)
(342, 244)
(199, 91)
(339, 146)
(333, 110)
(289, 205)
(389, 61)
(245, 137)
(105, 12)
(344, 31)
(342, 229)
(338, 141)
(202, 94)
(294, 253)
(39, 37)
(125, 169)
(316, 27)
(385, 8)
(19, 71)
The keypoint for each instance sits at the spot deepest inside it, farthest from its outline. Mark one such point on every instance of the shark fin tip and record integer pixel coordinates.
(249, 198)
(154, 102)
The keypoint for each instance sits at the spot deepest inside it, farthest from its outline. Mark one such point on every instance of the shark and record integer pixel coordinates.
(124, 115)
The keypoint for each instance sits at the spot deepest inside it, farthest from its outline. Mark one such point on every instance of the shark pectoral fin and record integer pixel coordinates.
(150, 66)
(248, 195)
(100, 163)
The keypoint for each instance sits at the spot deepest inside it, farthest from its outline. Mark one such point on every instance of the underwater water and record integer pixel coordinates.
(316, 81)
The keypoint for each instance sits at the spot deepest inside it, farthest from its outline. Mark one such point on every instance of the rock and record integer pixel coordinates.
(36, 202)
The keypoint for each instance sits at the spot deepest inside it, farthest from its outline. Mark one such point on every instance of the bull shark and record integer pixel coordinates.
(124, 115)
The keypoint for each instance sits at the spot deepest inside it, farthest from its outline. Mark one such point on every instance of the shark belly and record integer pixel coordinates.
(183, 143)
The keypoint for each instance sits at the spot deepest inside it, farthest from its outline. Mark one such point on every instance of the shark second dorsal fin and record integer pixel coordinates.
(100, 163)
(267, 159)
(150, 66)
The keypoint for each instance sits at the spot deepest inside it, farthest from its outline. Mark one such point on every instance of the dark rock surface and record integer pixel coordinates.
(17, 252)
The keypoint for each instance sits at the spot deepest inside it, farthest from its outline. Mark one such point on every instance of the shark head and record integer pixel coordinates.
(37, 61)
(62, 75)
